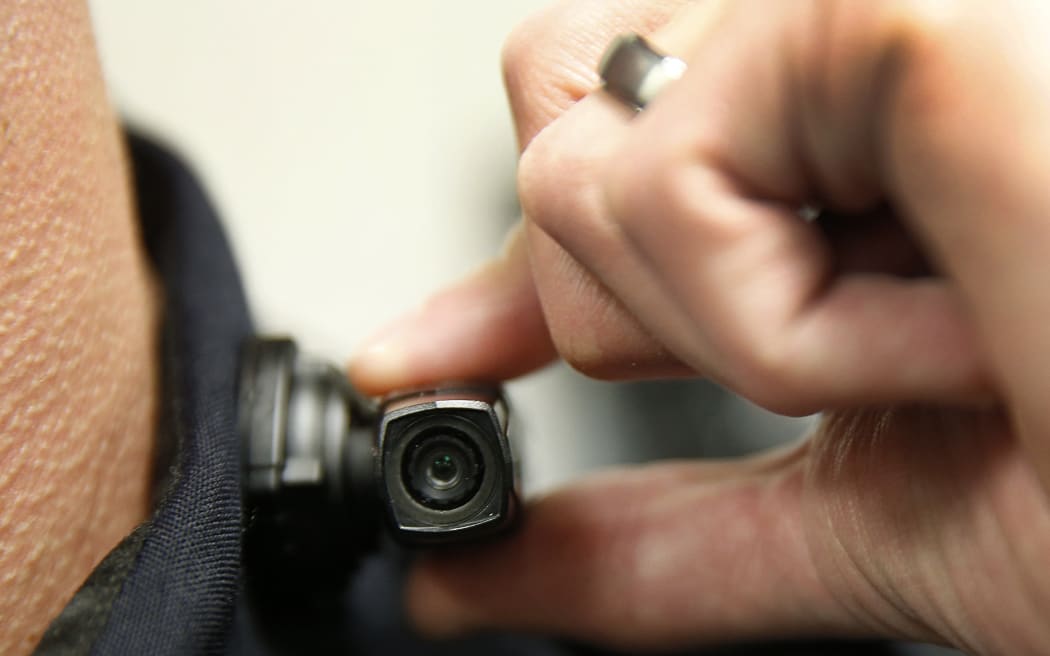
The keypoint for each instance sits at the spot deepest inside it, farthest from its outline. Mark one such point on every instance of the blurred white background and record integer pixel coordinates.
(361, 154)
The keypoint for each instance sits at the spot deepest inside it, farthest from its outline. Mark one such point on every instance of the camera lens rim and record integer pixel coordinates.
(455, 450)
(485, 425)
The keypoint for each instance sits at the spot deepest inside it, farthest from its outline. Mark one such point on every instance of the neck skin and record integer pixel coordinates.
(77, 322)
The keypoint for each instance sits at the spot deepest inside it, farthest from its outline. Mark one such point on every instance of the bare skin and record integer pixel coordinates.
(77, 319)
(669, 244)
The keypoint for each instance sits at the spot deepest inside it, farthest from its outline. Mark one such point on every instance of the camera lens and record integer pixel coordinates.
(443, 469)
(443, 472)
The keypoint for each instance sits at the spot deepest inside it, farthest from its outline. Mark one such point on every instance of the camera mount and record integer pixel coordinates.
(322, 464)
(307, 456)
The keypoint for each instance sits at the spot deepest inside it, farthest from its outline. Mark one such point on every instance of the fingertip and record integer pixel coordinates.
(488, 326)
(383, 360)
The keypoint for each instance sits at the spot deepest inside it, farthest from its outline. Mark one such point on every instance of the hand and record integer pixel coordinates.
(670, 244)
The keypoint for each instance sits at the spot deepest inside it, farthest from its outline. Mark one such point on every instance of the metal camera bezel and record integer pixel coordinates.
(477, 418)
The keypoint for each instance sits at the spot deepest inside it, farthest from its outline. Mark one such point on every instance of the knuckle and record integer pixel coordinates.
(534, 168)
(553, 176)
(764, 376)
(653, 187)
(633, 180)
(935, 36)
(519, 54)
(928, 22)
(543, 71)
(767, 374)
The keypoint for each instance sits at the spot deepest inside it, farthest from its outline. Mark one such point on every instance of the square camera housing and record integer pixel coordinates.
(445, 466)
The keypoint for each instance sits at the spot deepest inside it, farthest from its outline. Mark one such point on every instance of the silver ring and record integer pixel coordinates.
(634, 73)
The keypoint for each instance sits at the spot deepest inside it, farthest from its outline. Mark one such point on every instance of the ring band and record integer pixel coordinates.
(634, 73)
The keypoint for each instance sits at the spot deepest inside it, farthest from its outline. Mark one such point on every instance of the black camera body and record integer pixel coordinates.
(445, 465)
(321, 465)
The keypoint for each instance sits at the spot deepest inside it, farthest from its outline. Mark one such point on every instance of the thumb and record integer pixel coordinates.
(658, 557)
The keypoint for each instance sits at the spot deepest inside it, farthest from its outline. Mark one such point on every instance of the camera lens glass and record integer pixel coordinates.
(442, 469)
